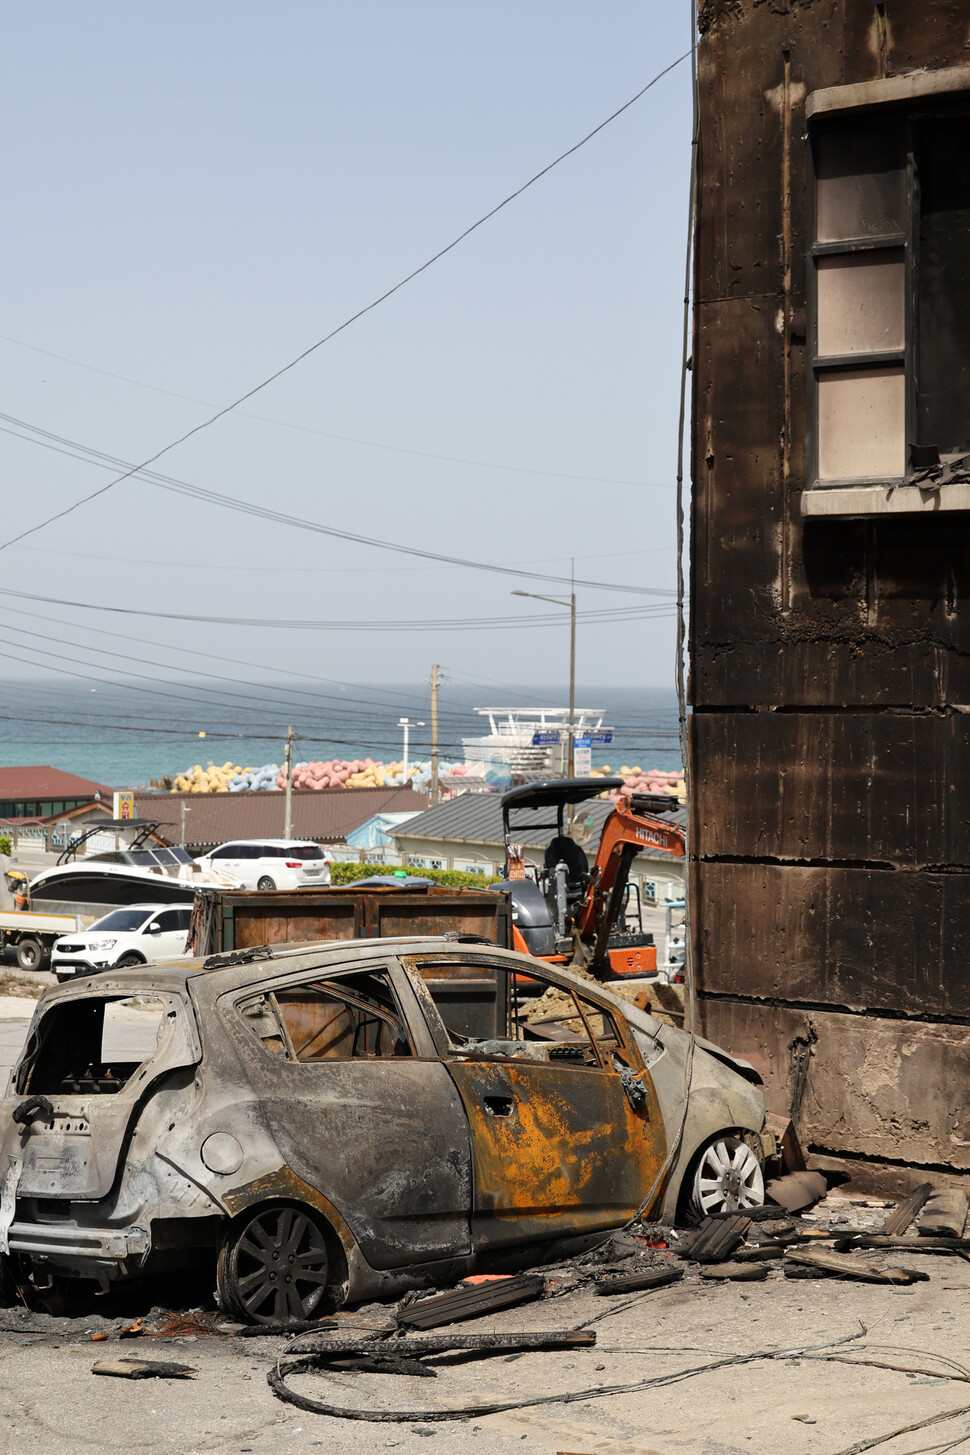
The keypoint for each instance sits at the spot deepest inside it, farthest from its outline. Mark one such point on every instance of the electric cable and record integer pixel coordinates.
(400, 697)
(346, 438)
(681, 666)
(340, 707)
(301, 1358)
(360, 313)
(288, 570)
(474, 623)
(88, 454)
(690, 1020)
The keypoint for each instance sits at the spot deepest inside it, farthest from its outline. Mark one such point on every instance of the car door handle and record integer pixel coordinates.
(499, 1106)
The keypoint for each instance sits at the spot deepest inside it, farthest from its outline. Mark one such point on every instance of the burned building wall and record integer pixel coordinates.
(830, 631)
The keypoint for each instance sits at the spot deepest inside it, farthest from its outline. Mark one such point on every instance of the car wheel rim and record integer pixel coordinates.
(279, 1268)
(728, 1178)
(29, 957)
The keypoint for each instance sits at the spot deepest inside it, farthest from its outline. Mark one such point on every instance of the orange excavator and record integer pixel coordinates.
(570, 912)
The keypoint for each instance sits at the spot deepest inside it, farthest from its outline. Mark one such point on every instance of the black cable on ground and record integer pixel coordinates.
(307, 1362)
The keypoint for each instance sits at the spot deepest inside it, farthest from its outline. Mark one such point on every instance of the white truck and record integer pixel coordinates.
(33, 935)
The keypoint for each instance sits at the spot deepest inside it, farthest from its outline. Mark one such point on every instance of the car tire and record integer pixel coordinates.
(31, 954)
(726, 1176)
(126, 960)
(274, 1267)
(265, 882)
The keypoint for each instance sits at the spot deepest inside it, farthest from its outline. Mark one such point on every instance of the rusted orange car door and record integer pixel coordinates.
(557, 1149)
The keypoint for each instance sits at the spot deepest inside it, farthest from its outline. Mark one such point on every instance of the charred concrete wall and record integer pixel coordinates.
(830, 654)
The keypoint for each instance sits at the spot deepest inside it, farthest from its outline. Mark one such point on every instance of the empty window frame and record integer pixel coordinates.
(347, 1018)
(91, 1047)
(889, 290)
(530, 1018)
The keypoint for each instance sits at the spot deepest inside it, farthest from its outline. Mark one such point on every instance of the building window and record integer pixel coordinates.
(890, 292)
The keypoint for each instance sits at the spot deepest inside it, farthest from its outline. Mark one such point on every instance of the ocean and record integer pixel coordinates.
(124, 735)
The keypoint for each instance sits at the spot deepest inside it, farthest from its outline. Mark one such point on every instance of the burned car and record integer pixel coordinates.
(350, 1120)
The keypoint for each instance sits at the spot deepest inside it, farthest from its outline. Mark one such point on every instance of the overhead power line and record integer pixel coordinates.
(360, 313)
(341, 702)
(92, 456)
(472, 623)
(347, 439)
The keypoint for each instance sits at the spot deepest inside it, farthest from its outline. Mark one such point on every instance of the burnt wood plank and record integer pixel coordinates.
(847, 1265)
(659, 1278)
(902, 1215)
(470, 1303)
(716, 1238)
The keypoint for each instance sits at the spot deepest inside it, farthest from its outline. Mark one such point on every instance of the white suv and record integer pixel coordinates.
(133, 935)
(270, 863)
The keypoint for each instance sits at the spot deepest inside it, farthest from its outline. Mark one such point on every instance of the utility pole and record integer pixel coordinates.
(434, 735)
(185, 810)
(288, 820)
(571, 768)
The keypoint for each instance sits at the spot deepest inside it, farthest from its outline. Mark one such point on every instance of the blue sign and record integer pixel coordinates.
(545, 740)
(599, 738)
(586, 742)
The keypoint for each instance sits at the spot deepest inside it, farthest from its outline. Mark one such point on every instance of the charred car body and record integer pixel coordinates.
(350, 1120)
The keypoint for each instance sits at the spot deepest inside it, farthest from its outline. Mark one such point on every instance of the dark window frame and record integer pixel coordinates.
(912, 113)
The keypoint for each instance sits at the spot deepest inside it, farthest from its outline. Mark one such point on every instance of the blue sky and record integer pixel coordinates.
(195, 193)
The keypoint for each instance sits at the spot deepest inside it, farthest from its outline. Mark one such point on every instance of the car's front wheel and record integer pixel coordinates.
(727, 1178)
(127, 960)
(274, 1267)
(266, 882)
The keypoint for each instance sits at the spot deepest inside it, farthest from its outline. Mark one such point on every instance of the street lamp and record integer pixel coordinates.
(406, 723)
(569, 601)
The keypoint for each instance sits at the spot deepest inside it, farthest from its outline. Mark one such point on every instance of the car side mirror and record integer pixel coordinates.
(154, 930)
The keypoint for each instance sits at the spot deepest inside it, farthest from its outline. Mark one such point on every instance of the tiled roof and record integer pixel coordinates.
(476, 818)
(44, 782)
(326, 815)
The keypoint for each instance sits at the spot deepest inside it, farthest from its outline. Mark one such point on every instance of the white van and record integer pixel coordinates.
(270, 863)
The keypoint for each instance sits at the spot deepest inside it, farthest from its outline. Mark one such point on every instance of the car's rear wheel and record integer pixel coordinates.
(727, 1178)
(274, 1267)
(30, 954)
(266, 882)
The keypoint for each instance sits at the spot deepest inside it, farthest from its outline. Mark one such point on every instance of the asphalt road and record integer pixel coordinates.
(12, 1033)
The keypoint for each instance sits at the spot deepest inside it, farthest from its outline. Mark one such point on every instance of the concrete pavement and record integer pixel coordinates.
(50, 1400)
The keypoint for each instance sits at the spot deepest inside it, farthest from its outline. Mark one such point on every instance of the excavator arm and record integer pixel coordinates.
(626, 832)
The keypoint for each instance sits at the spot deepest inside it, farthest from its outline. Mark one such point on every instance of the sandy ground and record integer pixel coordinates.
(792, 1402)
(697, 1338)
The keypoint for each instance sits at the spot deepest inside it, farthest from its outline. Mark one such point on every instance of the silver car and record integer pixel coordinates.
(349, 1120)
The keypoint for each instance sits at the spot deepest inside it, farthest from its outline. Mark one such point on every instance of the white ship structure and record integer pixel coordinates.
(512, 733)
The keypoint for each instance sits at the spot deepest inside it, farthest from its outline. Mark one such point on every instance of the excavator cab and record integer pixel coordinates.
(543, 908)
(569, 909)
